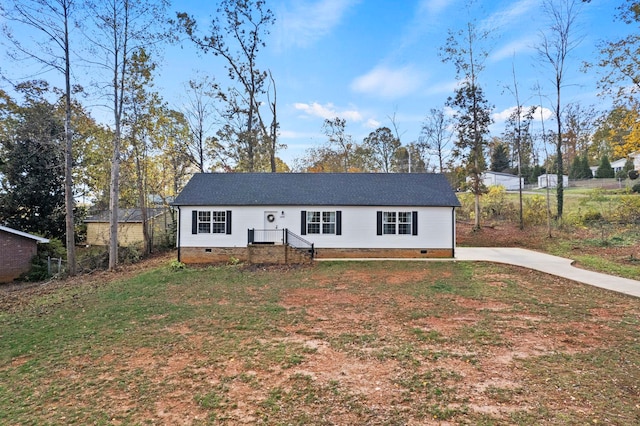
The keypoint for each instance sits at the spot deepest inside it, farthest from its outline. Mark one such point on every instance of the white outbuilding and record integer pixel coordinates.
(509, 181)
(551, 181)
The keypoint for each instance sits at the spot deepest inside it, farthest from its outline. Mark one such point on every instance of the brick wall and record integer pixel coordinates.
(280, 254)
(337, 253)
(198, 255)
(16, 253)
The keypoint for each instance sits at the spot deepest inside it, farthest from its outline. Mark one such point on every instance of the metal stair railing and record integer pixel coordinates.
(276, 236)
(297, 241)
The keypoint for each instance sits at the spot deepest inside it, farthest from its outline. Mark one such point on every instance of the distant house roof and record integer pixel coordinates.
(330, 189)
(23, 234)
(489, 172)
(125, 215)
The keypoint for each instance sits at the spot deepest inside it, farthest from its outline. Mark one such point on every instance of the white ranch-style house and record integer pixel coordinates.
(281, 217)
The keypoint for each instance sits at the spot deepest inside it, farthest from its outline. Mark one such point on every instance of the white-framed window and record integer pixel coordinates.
(319, 222)
(212, 222)
(404, 223)
(218, 222)
(204, 222)
(388, 222)
(397, 222)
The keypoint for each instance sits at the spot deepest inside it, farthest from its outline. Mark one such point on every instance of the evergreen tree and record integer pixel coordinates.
(32, 186)
(586, 170)
(499, 158)
(624, 172)
(604, 169)
(580, 168)
(575, 170)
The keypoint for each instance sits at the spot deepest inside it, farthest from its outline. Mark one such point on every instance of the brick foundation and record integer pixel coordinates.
(199, 255)
(282, 254)
(273, 254)
(341, 253)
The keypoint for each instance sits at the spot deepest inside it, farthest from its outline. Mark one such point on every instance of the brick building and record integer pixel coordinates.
(16, 251)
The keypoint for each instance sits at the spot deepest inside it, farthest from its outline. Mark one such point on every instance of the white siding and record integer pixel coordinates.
(359, 227)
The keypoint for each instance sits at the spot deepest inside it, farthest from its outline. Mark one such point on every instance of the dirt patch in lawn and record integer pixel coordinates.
(390, 343)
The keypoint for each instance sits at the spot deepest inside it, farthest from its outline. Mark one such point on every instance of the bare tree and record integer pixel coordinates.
(555, 46)
(435, 135)
(122, 27)
(198, 112)
(517, 132)
(544, 146)
(579, 126)
(237, 35)
(340, 142)
(472, 115)
(51, 19)
(383, 146)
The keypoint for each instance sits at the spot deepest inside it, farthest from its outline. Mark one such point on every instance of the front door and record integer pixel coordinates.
(273, 230)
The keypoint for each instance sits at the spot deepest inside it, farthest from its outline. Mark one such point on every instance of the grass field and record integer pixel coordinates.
(377, 343)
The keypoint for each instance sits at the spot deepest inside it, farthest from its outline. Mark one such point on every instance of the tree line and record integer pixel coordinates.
(54, 153)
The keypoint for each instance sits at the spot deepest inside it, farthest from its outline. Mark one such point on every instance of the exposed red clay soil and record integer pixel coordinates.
(337, 310)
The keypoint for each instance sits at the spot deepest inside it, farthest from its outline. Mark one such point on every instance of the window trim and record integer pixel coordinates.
(337, 222)
(382, 224)
(223, 226)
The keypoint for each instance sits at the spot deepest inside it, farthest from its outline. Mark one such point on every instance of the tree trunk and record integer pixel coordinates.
(114, 190)
(142, 201)
(560, 189)
(68, 159)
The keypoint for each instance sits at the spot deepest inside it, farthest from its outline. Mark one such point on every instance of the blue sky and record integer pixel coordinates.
(368, 60)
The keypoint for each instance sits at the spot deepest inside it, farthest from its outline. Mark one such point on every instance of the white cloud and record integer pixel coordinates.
(327, 111)
(541, 113)
(447, 87)
(509, 15)
(513, 48)
(292, 134)
(388, 83)
(301, 23)
(372, 124)
(434, 7)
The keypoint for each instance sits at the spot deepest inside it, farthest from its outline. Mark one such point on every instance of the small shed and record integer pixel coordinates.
(551, 181)
(129, 226)
(17, 249)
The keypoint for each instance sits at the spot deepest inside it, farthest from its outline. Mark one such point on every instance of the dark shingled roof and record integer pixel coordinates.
(317, 189)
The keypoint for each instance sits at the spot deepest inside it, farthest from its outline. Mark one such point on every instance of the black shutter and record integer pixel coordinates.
(414, 223)
(228, 230)
(303, 222)
(379, 214)
(194, 222)
(338, 222)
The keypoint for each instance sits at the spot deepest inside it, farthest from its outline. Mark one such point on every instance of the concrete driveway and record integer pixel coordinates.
(549, 264)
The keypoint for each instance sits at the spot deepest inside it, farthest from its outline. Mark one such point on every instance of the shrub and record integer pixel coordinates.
(534, 210)
(495, 204)
(129, 254)
(467, 205)
(176, 265)
(628, 210)
(636, 188)
(40, 264)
